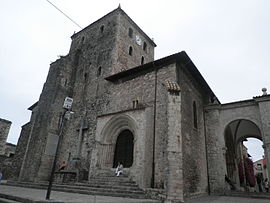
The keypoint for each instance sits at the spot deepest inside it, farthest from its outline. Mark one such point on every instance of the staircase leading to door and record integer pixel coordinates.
(105, 183)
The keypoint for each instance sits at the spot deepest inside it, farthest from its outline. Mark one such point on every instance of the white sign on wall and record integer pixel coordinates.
(68, 103)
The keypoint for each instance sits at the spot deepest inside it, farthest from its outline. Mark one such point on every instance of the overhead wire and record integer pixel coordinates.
(64, 14)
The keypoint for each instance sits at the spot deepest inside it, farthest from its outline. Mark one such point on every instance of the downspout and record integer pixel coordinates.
(154, 129)
(206, 154)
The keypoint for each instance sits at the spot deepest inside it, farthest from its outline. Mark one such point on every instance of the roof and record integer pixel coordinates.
(178, 57)
(128, 18)
(33, 106)
(4, 120)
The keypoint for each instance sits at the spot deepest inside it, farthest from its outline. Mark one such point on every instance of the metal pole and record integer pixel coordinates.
(56, 156)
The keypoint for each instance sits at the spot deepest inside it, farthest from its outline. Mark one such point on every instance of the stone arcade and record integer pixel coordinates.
(159, 118)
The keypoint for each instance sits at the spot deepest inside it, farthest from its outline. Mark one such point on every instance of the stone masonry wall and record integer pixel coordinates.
(174, 153)
(126, 61)
(4, 130)
(20, 151)
(194, 149)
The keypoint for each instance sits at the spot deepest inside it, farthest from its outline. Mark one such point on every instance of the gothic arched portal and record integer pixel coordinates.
(124, 149)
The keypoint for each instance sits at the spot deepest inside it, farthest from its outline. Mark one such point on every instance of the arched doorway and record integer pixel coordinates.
(123, 152)
(239, 164)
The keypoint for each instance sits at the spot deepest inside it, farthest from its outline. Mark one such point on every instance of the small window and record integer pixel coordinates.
(130, 50)
(135, 103)
(142, 60)
(82, 40)
(99, 71)
(85, 77)
(101, 29)
(195, 122)
(130, 32)
(66, 82)
(144, 46)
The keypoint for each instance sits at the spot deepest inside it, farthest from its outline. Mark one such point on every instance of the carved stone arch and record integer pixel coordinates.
(115, 126)
(108, 138)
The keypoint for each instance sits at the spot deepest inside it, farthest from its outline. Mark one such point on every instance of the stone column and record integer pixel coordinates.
(215, 149)
(174, 182)
(264, 107)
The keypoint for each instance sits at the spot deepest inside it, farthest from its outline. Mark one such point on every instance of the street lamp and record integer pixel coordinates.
(65, 116)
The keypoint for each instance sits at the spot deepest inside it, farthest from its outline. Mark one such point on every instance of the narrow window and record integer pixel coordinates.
(85, 77)
(195, 123)
(66, 82)
(99, 71)
(82, 40)
(130, 51)
(130, 32)
(142, 60)
(101, 29)
(144, 46)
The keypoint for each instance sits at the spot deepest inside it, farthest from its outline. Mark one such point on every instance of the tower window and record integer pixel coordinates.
(101, 29)
(82, 40)
(130, 32)
(85, 77)
(195, 122)
(144, 46)
(142, 60)
(99, 71)
(130, 50)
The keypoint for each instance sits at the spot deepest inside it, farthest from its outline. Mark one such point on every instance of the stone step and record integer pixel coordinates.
(85, 189)
(108, 185)
(2, 200)
(78, 186)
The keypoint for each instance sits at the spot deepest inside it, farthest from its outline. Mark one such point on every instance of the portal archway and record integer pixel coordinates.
(124, 149)
(117, 141)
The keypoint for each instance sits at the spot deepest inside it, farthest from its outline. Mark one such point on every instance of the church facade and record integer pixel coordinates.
(157, 117)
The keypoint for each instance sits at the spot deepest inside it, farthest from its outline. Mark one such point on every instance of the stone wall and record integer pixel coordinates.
(20, 151)
(193, 135)
(10, 149)
(4, 130)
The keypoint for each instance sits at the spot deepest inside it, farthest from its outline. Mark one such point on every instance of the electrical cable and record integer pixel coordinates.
(64, 14)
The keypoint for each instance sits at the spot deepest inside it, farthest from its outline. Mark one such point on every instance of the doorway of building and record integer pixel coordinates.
(123, 152)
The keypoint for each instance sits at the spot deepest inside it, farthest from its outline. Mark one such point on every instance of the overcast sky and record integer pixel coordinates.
(228, 40)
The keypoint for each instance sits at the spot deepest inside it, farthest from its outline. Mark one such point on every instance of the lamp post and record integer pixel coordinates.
(65, 116)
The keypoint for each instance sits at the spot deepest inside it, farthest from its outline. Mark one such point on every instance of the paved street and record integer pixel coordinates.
(225, 199)
(38, 196)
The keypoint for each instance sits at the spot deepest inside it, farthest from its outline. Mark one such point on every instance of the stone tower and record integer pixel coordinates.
(110, 45)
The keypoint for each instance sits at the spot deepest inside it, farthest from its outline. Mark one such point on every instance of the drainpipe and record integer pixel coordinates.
(154, 130)
(206, 154)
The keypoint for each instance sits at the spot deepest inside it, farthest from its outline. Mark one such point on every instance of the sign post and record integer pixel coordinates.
(65, 116)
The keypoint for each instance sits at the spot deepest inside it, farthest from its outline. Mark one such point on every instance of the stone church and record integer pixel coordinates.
(158, 117)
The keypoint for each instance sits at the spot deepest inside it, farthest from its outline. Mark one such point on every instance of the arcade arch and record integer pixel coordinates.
(239, 169)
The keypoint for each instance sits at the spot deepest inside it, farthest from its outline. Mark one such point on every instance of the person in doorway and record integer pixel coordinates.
(119, 169)
(266, 185)
(62, 166)
(259, 181)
